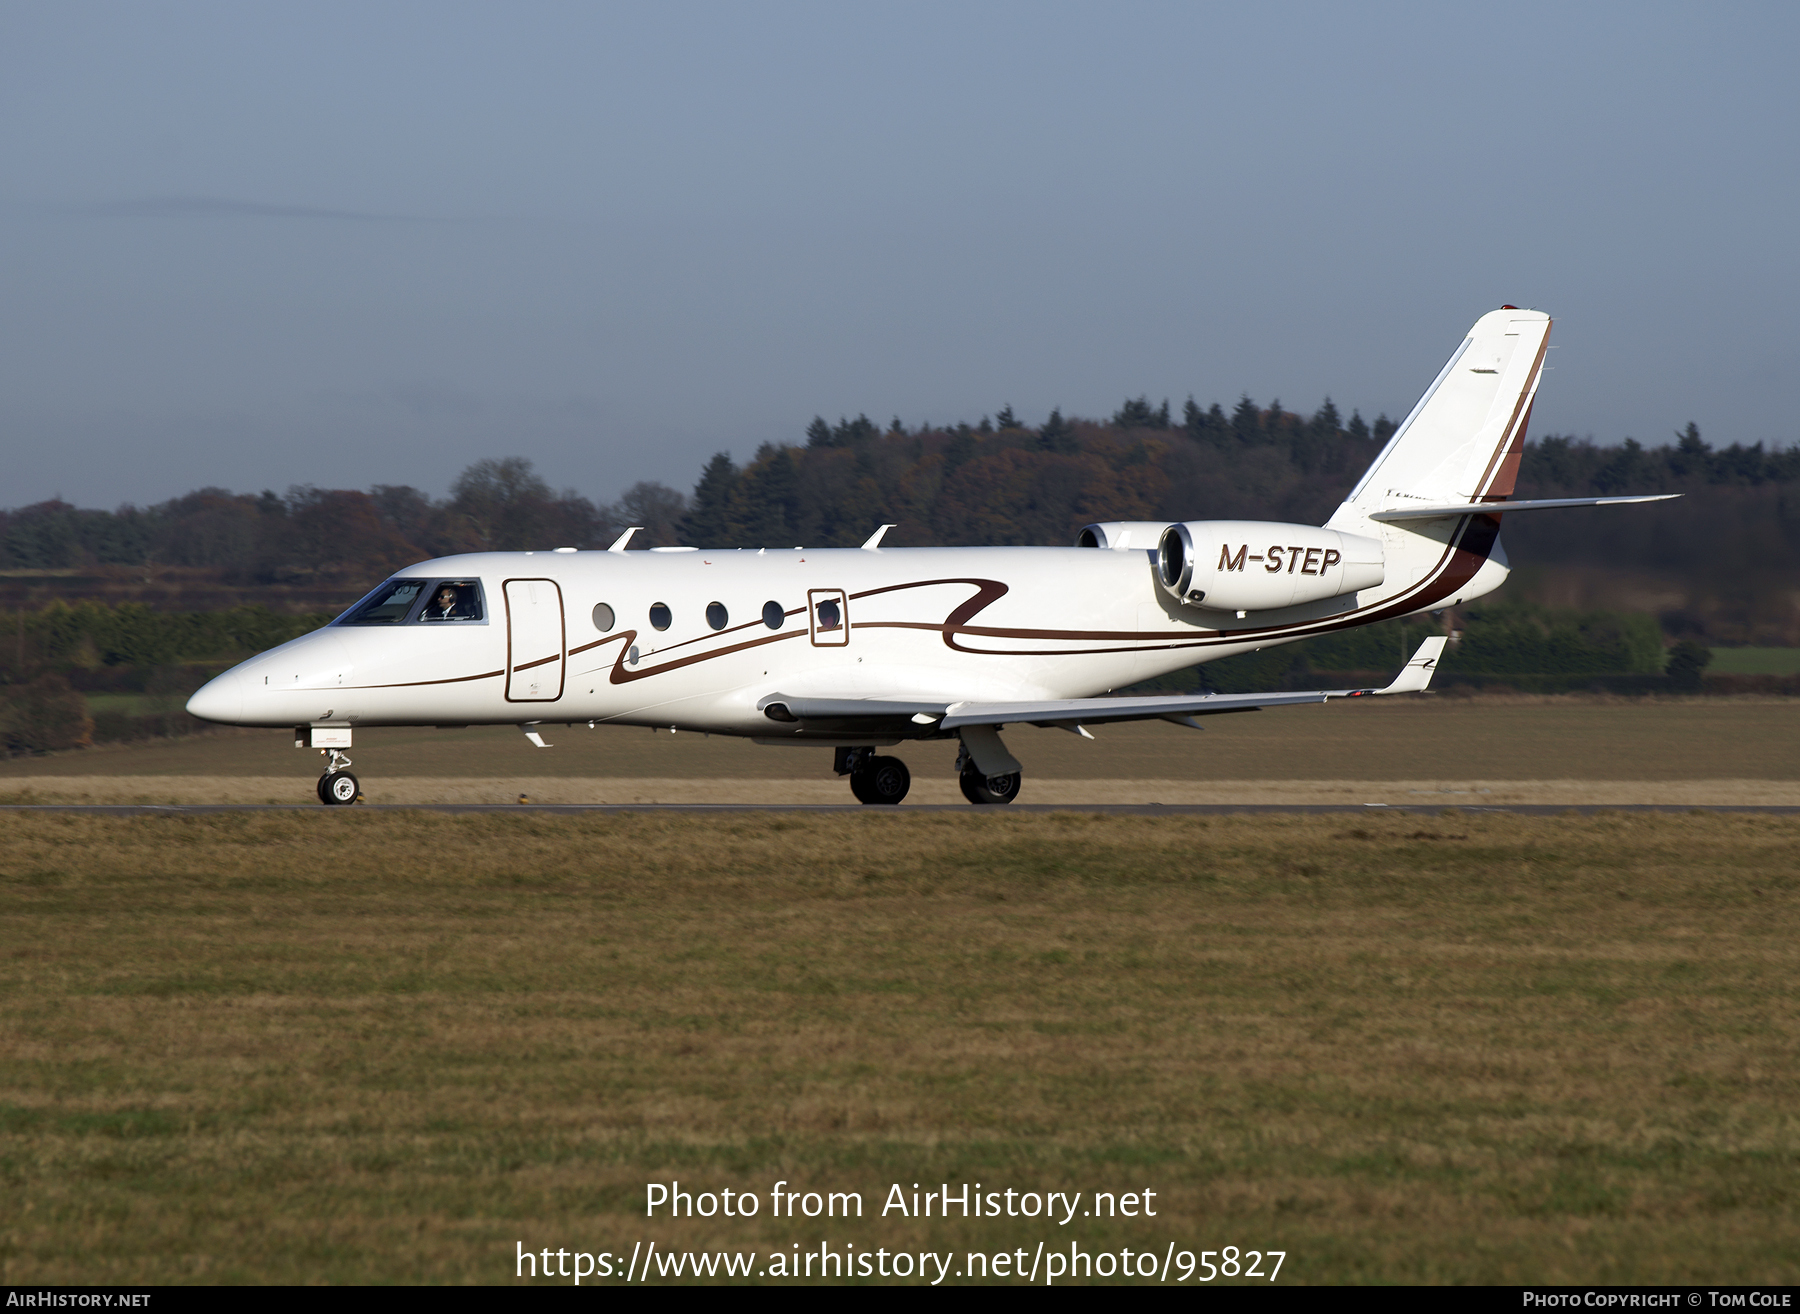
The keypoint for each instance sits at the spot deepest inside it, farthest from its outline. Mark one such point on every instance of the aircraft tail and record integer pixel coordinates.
(1462, 441)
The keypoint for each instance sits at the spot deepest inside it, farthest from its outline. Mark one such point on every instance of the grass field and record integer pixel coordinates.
(1755, 661)
(1418, 746)
(391, 1047)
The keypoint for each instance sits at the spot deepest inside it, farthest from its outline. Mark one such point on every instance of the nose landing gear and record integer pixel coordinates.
(338, 786)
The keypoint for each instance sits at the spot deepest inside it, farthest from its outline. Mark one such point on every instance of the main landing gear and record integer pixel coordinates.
(979, 787)
(885, 780)
(882, 780)
(338, 786)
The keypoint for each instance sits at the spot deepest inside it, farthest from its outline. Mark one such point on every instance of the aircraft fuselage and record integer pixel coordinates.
(738, 626)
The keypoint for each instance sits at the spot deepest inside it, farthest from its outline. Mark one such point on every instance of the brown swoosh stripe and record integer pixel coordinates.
(1468, 549)
(575, 652)
(414, 684)
(1463, 556)
(1168, 643)
(1004, 632)
(622, 676)
(1514, 430)
(1507, 477)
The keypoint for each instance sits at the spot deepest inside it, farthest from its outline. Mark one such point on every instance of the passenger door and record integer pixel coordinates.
(536, 641)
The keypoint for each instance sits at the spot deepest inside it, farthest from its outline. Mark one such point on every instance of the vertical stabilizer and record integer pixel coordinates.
(1463, 440)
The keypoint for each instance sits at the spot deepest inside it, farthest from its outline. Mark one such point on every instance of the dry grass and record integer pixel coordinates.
(386, 1047)
(927, 789)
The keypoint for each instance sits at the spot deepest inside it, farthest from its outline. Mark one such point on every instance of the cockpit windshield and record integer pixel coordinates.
(416, 601)
(388, 605)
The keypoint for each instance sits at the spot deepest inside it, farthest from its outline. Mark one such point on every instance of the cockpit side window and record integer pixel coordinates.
(453, 600)
(390, 604)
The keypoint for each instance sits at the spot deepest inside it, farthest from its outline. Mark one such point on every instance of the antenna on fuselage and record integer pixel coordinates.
(875, 538)
(620, 542)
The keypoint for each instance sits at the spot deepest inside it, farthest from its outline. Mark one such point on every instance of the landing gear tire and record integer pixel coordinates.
(978, 788)
(881, 780)
(338, 787)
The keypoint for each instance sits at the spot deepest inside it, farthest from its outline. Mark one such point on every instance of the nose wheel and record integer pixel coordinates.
(337, 786)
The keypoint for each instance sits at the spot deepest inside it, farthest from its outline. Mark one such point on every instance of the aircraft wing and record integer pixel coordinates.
(1087, 711)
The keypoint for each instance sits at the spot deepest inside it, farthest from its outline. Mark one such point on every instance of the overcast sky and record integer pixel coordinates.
(259, 245)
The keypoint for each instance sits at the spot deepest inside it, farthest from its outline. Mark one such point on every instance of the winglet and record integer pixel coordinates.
(1416, 674)
(875, 538)
(620, 542)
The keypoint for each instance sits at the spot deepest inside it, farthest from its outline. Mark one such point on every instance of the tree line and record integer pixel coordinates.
(494, 505)
(1726, 553)
(59, 663)
(1728, 545)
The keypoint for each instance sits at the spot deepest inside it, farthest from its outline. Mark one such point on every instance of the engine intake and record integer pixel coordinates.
(1259, 565)
(1119, 535)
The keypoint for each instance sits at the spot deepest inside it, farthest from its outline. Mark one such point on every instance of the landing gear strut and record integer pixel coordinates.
(338, 786)
(880, 780)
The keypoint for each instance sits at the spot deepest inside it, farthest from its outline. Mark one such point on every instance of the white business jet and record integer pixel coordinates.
(862, 648)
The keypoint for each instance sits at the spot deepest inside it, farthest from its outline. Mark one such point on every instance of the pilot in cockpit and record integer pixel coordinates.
(447, 605)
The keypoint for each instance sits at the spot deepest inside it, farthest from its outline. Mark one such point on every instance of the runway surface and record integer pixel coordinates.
(1116, 809)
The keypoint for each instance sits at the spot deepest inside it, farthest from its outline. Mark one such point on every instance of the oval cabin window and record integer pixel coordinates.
(603, 617)
(773, 615)
(659, 615)
(717, 616)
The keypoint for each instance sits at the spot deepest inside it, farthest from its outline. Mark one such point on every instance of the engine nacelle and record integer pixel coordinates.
(1259, 565)
(1119, 535)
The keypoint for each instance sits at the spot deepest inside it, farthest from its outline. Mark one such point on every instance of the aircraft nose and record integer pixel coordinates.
(219, 699)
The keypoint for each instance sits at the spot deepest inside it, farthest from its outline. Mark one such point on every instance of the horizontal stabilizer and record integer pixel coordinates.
(1497, 508)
